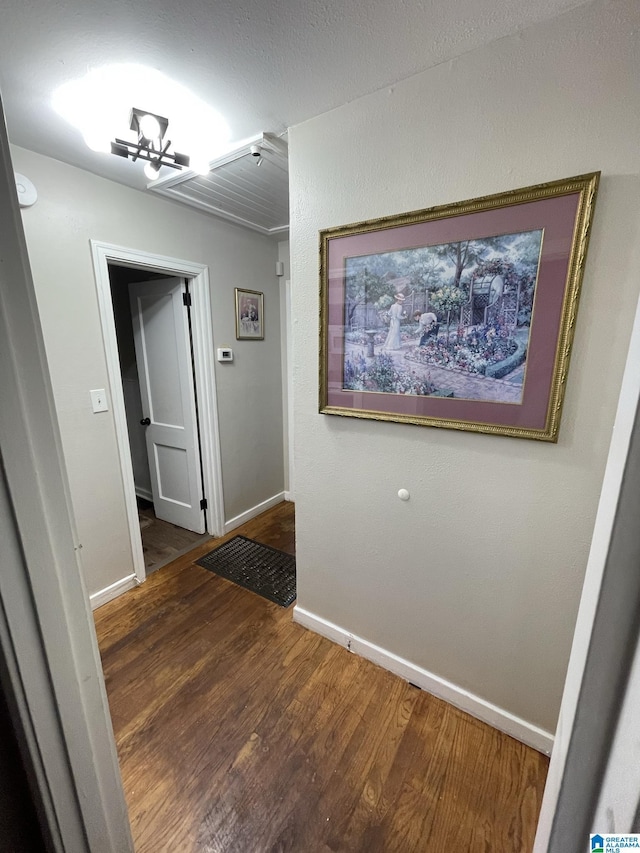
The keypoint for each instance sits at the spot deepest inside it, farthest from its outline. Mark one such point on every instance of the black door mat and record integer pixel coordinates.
(256, 567)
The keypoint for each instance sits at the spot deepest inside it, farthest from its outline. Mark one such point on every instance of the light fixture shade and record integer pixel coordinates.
(119, 150)
(152, 170)
(150, 127)
(143, 122)
(181, 159)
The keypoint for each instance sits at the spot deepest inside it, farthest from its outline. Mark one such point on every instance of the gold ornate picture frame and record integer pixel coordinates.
(459, 316)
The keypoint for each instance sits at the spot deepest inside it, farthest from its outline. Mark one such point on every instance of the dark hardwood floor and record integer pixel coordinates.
(162, 542)
(241, 732)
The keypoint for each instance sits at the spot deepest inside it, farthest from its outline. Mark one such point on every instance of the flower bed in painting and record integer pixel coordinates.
(472, 351)
(360, 338)
(381, 374)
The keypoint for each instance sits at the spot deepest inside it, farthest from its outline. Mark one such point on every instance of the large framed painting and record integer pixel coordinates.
(460, 316)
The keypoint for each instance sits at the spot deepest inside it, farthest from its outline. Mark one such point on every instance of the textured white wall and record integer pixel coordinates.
(477, 578)
(73, 207)
(284, 255)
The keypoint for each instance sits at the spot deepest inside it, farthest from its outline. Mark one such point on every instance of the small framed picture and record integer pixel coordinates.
(249, 315)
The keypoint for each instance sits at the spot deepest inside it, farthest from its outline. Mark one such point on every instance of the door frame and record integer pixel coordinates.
(104, 254)
(585, 730)
(287, 385)
(50, 674)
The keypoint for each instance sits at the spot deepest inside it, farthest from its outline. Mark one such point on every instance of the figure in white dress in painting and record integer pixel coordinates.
(396, 313)
(249, 316)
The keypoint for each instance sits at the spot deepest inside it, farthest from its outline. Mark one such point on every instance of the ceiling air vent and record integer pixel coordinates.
(248, 188)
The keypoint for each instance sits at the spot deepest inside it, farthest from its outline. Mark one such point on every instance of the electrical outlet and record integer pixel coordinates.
(99, 400)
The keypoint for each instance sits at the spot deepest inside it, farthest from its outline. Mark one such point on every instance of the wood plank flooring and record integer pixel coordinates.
(241, 732)
(162, 542)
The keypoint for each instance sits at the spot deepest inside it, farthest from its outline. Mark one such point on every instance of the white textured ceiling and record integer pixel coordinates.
(265, 65)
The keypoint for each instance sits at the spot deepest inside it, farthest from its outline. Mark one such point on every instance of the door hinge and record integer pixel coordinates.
(186, 299)
(203, 503)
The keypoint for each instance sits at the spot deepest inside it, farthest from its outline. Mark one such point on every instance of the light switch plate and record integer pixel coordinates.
(99, 400)
(225, 354)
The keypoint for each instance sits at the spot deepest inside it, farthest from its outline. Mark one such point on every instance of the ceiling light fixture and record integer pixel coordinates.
(151, 145)
(98, 104)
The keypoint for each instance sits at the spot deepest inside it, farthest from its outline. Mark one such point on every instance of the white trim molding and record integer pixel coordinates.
(289, 380)
(112, 591)
(253, 512)
(104, 254)
(53, 681)
(591, 598)
(475, 705)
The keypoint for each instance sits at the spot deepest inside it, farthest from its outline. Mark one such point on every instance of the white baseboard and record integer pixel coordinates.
(251, 513)
(434, 684)
(288, 496)
(110, 592)
(145, 494)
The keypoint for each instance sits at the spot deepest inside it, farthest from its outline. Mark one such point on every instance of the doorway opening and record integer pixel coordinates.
(192, 278)
(142, 326)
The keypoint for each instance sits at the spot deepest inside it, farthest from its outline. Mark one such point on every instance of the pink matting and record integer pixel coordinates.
(557, 217)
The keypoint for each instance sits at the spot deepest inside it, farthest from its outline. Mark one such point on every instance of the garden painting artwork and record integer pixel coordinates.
(460, 316)
(452, 319)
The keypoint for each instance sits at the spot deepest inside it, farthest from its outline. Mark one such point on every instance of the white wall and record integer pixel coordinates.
(73, 207)
(285, 291)
(477, 578)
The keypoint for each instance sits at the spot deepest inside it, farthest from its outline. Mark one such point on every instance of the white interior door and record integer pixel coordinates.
(163, 354)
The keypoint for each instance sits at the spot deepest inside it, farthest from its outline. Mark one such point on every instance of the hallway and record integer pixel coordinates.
(238, 730)
(163, 542)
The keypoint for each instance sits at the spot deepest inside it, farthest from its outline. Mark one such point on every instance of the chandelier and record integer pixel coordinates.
(151, 145)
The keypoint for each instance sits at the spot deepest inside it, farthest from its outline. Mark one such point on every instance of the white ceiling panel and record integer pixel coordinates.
(236, 188)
